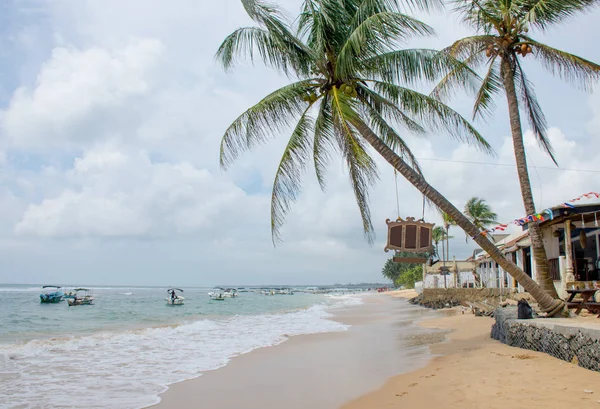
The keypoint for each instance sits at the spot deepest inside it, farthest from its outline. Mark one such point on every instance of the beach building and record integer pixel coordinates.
(454, 274)
(571, 238)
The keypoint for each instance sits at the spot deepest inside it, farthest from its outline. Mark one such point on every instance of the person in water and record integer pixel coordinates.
(173, 296)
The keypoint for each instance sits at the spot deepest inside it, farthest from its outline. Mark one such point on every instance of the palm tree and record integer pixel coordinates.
(447, 223)
(438, 235)
(501, 42)
(480, 213)
(350, 88)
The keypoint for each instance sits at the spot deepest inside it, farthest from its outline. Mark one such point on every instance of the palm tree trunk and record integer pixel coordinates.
(546, 302)
(542, 270)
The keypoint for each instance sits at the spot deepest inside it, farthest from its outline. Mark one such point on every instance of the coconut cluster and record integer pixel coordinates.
(510, 41)
(310, 97)
(349, 89)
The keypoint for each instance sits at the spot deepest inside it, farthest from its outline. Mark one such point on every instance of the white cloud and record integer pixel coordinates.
(76, 90)
(121, 192)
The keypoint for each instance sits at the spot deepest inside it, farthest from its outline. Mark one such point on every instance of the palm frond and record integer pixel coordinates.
(374, 36)
(433, 114)
(491, 85)
(323, 140)
(481, 14)
(361, 167)
(388, 110)
(414, 66)
(469, 47)
(535, 115)
(286, 185)
(544, 13)
(461, 78)
(571, 68)
(272, 40)
(274, 113)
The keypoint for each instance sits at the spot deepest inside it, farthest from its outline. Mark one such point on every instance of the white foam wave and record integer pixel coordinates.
(19, 289)
(345, 300)
(129, 369)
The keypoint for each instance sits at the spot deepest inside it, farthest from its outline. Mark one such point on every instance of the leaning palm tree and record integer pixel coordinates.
(501, 42)
(480, 213)
(350, 89)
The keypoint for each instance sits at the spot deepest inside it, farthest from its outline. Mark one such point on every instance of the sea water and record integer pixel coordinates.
(124, 350)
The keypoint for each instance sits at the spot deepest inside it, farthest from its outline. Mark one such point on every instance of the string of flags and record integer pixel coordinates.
(541, 216)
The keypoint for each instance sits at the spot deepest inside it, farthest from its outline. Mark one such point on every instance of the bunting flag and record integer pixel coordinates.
(544, 215)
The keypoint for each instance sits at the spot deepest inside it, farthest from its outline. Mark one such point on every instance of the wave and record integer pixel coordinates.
(136, 366)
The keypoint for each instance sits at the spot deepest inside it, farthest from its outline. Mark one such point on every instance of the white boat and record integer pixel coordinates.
(174, 298)
(81, 296)
(218, 294)
(267, 292)
(230, 293)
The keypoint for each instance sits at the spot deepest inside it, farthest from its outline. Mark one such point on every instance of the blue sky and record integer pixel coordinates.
(110, 119)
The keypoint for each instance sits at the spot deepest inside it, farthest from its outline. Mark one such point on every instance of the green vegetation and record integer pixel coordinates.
(404, 274)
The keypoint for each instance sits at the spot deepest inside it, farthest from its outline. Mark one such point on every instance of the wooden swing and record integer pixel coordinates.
(409, 236)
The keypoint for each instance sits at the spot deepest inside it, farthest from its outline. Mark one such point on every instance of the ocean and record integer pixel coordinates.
(124, 350)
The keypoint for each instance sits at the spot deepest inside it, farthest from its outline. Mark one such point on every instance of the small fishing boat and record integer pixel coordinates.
(217, 294)
(230, 293)
(70, 293)
(174, 298)
(82, 297)
(51, 294)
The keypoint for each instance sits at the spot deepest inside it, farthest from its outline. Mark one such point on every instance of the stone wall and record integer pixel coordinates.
(464, 294)
(487, 298)
(562, 340)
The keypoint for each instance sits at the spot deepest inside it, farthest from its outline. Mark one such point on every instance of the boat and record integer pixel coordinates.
(70, 294)
(230, 293)
(52, 294)
(174, 298)
(82, 297)
(217, 294)
(267, 291)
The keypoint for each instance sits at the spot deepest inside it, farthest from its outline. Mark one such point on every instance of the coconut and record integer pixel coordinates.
(504, 43)
(354, 94)
(488, 53)
(524, 47)
(529, 49)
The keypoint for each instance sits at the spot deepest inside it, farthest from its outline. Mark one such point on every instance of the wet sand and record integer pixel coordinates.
(321, 371)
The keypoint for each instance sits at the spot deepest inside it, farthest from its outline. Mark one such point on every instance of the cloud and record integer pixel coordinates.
(76, 91)
(119, 192)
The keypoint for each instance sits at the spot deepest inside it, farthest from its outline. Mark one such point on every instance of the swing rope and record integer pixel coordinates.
(397, 196)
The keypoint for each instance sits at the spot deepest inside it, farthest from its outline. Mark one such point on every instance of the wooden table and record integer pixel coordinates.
(586, 294)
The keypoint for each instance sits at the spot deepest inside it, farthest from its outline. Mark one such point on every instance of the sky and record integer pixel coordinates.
(111, 114)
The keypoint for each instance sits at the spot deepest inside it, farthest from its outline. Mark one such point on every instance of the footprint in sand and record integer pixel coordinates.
(412, 384)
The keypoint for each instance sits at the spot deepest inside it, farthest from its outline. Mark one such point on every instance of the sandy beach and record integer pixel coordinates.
(395, 355)
(474, 371)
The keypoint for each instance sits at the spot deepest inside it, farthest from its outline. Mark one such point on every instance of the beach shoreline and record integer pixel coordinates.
(320, 370)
